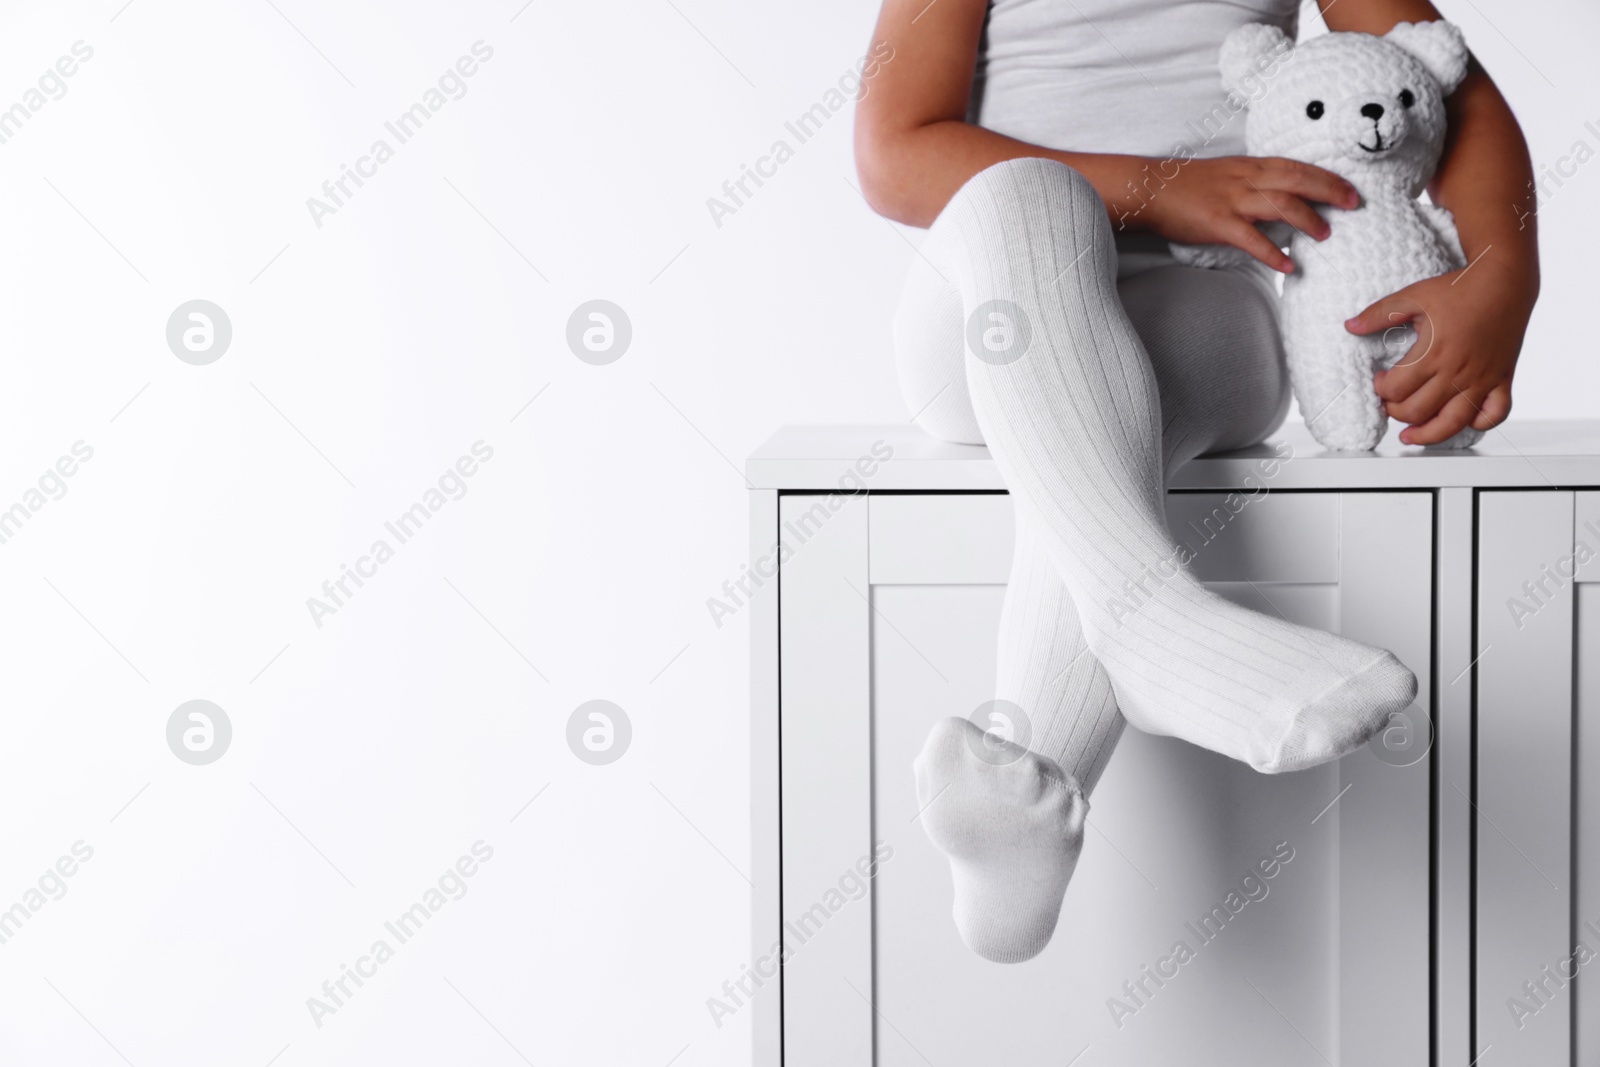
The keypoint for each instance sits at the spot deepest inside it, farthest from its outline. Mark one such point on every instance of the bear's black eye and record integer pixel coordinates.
(1314, 109)
(1406, 99)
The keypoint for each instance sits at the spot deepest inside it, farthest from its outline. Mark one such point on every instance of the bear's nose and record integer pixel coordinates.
(1372, 111)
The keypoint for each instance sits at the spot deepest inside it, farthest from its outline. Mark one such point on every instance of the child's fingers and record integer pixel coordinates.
(1396, 309)
(1309, 181)
(1395, 385)
(1455, 417)
(1426, 401)
(1247, 238)
(1272, 206)
(1494, 409)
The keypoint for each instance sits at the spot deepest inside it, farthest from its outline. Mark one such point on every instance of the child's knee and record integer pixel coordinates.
(1031, 191)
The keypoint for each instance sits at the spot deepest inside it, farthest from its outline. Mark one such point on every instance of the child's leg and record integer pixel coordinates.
(1013, 825)
(1013, 834)
(1075, 425)
(1044, 664)
(1011, 819)
(1191, 322)
(1044, 667)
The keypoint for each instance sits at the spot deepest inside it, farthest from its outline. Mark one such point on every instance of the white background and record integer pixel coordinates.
(368, 354)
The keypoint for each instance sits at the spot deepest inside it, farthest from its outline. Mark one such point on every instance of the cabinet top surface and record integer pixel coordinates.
(1533, 454)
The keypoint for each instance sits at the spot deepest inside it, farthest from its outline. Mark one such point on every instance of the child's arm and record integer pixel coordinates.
(1470, 323)
(914, 148)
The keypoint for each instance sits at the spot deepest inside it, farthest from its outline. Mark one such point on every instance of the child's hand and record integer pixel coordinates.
(1469, 327)
(1218, 201)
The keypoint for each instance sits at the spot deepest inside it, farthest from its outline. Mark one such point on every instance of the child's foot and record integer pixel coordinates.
(1011, 823)
(1280, 697)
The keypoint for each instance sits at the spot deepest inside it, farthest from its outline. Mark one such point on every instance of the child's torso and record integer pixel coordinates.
(1134, 76)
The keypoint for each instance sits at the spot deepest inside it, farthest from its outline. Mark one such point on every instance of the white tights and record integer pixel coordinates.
(1090, 384)
(1211, 339)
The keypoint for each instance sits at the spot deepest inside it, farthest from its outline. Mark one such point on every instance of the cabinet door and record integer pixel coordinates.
(1538, 762)
(889, 611)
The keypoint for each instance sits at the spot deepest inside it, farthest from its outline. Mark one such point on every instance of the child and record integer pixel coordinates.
(1045, 318)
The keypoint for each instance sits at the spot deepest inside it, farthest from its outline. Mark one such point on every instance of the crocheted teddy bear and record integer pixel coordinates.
(1370, 109)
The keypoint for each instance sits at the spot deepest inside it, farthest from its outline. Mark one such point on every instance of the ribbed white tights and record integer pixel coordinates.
(1016, 332)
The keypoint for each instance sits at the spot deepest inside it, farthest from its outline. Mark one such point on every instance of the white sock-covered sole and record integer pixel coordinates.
(1011, 823)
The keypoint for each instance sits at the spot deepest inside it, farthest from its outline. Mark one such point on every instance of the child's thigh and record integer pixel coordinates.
(930, 355)
(1214, 345)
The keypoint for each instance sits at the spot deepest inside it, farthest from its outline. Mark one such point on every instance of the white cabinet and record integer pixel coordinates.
(1538, 767)
(1414, 889)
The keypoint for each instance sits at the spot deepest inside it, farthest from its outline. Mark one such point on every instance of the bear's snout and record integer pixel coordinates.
(1373, 129)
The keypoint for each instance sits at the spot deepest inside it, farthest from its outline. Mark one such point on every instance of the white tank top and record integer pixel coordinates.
(1131, 76)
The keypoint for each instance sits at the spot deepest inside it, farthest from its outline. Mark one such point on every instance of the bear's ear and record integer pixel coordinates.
(1250, 50)
(1440, 47)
